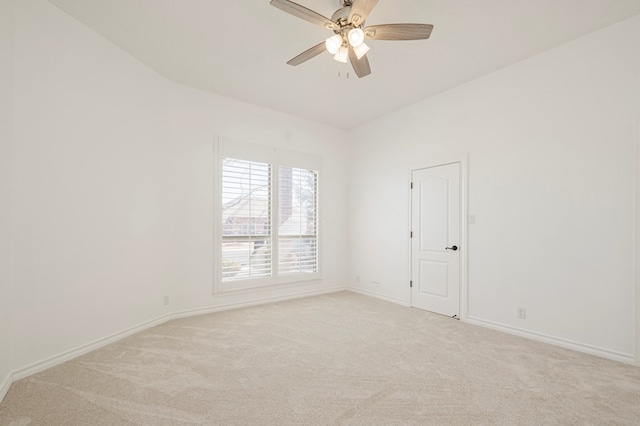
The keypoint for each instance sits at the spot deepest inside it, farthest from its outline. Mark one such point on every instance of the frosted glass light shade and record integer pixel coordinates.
(333, 43)
(361, 50)
(356, 37)
(342, 55)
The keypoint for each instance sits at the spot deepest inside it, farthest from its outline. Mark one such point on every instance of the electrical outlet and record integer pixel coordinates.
(165, 300)
(522, 313)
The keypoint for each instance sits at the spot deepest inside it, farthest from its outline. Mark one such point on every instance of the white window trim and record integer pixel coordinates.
(224, 147)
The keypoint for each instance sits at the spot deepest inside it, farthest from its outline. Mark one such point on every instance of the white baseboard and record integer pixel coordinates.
(564, 343)
(378, 296)
(5, 385)
(81, 350)
(256, 302)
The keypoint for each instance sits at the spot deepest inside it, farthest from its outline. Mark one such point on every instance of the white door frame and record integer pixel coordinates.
(636, 239)
(463, 161)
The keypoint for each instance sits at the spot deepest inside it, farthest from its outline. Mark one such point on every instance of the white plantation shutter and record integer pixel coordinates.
(246, 220)
(268, 223)
(298, 221)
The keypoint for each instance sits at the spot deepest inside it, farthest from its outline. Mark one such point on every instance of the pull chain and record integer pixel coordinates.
(340, 71)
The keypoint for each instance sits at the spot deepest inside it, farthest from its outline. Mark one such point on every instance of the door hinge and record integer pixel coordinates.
(411, 234)
(410, 283)
(411, 185)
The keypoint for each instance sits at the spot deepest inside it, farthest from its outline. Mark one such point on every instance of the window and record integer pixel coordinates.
(268, 217)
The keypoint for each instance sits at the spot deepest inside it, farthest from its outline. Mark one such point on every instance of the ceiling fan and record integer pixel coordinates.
(347, 23)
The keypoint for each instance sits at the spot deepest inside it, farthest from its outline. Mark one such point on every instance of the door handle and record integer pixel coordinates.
(453, 248)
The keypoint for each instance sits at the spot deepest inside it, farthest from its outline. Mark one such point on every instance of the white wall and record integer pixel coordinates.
(550, 142)
(91, 191)
(113, 188)
(6, 126)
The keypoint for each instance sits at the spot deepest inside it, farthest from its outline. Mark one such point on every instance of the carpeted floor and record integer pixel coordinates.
(336, 359)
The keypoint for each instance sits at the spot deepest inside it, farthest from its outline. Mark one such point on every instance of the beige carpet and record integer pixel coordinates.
(335, 359)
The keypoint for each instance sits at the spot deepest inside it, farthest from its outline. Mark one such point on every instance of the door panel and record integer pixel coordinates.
(434, 277)
(435, 220)
(433, 215)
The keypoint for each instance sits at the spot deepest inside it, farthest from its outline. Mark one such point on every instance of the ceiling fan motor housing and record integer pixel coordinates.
(341, 16)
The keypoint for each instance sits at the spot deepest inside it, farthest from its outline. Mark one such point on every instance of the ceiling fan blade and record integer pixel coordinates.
(398, 31)
(303, 13)
(360, 66)
(308, 54)
(360, 9)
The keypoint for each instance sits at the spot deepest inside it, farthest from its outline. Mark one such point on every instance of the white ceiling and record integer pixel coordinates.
(239, 48)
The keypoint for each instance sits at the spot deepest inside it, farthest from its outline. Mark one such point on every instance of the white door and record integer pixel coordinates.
(435, 241)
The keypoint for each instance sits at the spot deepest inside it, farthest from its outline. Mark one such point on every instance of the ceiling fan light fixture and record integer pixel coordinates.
(333, 43)
(361, 50)
(356, 37)
(342, 54)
